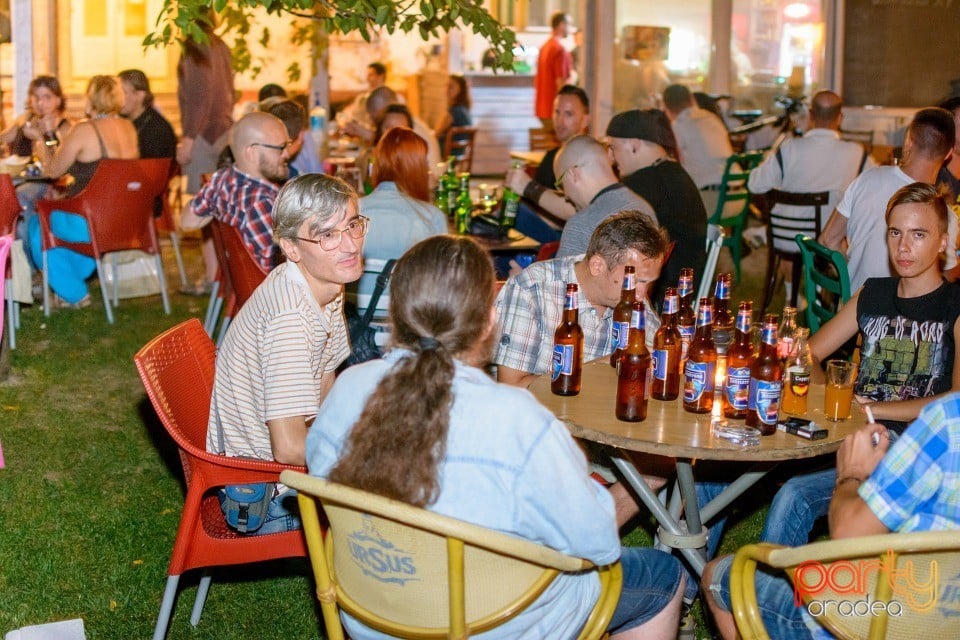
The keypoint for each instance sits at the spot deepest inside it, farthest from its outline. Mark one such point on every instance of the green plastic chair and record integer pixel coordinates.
(815, 257)
(733, 205)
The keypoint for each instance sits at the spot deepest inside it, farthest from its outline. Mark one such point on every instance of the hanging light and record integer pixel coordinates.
(797, 10)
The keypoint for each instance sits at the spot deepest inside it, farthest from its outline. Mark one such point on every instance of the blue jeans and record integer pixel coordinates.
(650, 581)
(797, 506)
(283, 514)
(783, 619)
(68, 270)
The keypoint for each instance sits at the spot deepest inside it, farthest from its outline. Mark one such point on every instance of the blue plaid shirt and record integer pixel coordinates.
(916, 487)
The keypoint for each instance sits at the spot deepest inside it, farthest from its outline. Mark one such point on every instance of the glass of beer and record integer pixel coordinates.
(838, 394)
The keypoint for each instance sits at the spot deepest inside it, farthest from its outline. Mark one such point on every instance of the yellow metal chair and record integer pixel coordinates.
(411, 573)
(915, 575)
(733, 202)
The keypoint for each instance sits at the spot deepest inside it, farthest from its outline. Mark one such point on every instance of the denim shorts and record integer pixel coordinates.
(650, 581)
(782, 619)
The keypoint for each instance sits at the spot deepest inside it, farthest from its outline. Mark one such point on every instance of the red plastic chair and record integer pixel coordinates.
(547, 250)
(240, 273)
(177, 369)
(165, 222)
(118, 208)
(9, 214)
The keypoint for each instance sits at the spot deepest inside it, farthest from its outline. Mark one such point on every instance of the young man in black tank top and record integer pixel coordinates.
(909, 333)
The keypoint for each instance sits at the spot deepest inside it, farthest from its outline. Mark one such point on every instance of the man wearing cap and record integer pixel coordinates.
(643, 147)
(587, 179)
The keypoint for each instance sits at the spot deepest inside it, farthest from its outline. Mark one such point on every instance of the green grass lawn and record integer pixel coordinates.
(92, 492)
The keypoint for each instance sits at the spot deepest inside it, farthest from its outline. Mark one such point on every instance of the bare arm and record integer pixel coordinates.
(514, 377)
(549, 200)
(835, 232)
(857, 458)
(288, 438)
(833, 335)
(190, 220)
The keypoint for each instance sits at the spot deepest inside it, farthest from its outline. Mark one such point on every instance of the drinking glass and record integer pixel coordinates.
(488, 197)
(838, 394)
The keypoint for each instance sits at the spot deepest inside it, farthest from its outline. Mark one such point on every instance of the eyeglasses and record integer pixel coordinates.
(558, 183)
(275, 147)
(330, 240)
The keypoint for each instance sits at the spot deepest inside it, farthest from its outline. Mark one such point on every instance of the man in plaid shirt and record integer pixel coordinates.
(242, 194)
(910, 485)
(530, 305)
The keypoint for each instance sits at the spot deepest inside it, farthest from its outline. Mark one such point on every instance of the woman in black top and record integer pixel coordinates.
(43, 119)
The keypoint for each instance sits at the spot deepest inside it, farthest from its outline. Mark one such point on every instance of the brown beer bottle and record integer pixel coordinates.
(736, 391)
(698, 374)
(620, 328)
(686, 318)
(722, 315)
(667, 345)
(766, 381)
(567, 348)
(633, 371)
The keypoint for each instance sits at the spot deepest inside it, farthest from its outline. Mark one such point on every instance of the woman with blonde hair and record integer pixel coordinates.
(427, 426)
(103, 135)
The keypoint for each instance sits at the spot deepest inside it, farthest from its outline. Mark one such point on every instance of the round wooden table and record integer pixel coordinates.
(672, 432)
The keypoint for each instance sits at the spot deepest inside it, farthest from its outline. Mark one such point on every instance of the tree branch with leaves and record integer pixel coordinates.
(181, 20)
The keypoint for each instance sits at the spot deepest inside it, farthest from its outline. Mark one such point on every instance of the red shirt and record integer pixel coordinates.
(554, 63)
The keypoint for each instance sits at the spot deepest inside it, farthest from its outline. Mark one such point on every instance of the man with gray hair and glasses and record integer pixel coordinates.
(278, 359)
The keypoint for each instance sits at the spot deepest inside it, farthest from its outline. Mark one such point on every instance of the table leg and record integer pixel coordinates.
(734, 490)
(672, 533)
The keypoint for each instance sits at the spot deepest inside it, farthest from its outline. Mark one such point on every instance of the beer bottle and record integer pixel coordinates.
(796, 376)
(786, 334)
(766, 381)
(633, 370)
(464, 210)
(666, 350)
(736, 392)
(698, 381)
(722, 316)
(567, 348)
(511, 202)
(686, 319)
(620, 328)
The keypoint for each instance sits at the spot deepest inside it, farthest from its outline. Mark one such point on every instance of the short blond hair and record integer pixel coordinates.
(105, 94)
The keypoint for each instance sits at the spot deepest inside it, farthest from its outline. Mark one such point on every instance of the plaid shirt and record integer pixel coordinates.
(530, 307)
(243, 202)
(916, 487)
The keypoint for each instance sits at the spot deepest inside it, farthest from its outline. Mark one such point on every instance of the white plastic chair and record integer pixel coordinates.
(714, 244)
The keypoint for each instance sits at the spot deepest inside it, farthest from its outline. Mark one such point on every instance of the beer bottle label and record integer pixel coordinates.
(722, 290)
(629, 281)
(698, 380)
(765, 399)
(799, 381)
(670, 305)
(562, 360)
(784, 347)
(685, 286)
(768, 335)
(619, 332)
(686, 337)
(738, 387)
(661, 358)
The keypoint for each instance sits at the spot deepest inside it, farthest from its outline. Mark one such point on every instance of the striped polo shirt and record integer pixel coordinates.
(272, 361)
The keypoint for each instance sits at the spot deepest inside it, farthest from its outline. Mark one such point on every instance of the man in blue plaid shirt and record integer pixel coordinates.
(910, 485)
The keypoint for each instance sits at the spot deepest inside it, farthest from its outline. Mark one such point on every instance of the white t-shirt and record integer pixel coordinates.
(864, 205)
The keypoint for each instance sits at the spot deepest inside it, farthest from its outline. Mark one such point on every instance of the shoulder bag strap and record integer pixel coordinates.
(382, 279)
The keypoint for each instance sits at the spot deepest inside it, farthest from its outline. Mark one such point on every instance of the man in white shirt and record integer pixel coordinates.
(857, 225)
(703, 143)
(818, 161)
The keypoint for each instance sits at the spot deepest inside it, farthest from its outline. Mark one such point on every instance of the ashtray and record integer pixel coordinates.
(743, 436)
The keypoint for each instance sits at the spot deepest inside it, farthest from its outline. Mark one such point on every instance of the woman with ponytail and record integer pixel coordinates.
(427, 426)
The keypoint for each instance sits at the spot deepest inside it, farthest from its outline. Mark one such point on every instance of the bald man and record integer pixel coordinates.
(377, 103)
(242, 194)
(819, 161)
(586, 178)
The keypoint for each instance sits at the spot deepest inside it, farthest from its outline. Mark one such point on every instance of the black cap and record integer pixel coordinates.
(649, 124)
